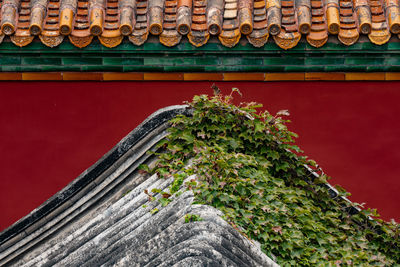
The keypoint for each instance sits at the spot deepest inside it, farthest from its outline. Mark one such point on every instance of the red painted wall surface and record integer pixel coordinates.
(50, 132)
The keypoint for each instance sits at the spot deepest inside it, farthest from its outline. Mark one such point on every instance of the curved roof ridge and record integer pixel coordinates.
(111, 220)
(106, 216)
(154, 121)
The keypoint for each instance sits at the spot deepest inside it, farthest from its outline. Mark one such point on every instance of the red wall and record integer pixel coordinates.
(50, 132)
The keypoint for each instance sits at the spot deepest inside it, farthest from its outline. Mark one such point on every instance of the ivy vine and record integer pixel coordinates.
(248, 166)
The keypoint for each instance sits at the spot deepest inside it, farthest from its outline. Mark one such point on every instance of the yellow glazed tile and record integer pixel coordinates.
(235, 76)
(159, 76)
(365, 76)
(324, 76)
(203, 76)
(41, 76)
(122, 76)
(293, 76)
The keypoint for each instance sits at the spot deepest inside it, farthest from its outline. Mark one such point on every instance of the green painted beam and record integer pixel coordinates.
(212, 57)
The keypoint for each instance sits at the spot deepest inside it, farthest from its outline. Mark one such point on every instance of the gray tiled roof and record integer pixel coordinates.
(104, 218)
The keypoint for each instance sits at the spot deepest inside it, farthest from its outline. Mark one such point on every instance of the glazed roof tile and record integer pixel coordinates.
(286, 21)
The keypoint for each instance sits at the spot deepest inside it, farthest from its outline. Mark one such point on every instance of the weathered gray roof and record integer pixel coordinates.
(103, 218)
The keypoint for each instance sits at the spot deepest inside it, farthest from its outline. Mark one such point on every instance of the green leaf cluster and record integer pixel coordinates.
(192, 218)
(248, 166)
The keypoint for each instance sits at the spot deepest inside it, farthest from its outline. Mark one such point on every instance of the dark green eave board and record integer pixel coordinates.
(212, 57)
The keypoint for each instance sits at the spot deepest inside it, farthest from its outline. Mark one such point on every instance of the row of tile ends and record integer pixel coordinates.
(285, 20)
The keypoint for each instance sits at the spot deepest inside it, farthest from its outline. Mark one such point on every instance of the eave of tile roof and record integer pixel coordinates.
(99, 219)
(284, 20)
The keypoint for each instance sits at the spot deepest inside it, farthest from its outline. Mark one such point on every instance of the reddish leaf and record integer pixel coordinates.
(166, 195)
(277, 229)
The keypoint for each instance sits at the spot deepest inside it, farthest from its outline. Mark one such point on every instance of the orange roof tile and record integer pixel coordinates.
(285, 20)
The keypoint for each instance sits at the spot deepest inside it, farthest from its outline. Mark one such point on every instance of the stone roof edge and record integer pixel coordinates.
(154, 121)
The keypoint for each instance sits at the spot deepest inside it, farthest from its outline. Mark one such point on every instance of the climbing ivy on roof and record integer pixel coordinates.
(248, 166)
